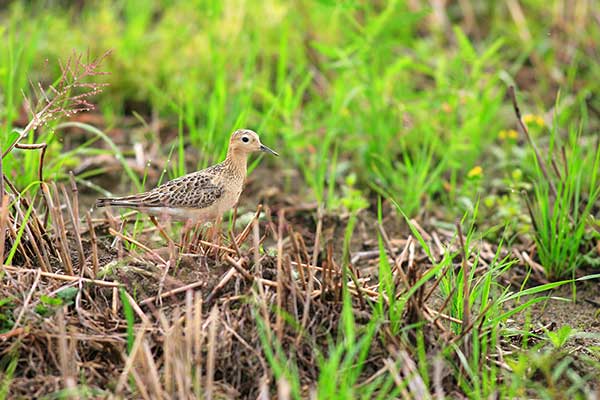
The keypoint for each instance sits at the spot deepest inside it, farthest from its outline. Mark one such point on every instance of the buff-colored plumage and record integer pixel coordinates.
(203, 195)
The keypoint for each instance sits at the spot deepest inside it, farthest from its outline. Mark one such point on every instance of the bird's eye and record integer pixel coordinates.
(245, 139)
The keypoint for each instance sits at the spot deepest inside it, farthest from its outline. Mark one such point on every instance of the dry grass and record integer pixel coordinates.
(196, 330)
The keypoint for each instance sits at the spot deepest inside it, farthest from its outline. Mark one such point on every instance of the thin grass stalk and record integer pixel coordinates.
(75, 201)
(64, 255)
(280, 288)
(298, 259)
(437, 282)
(189, 341)
(62, 277)
(189, 332)
(61, 231)
(39, 244)
(36, 146)
(540, 161)
(140, 384)
(262, 297)
(242, 236)
(256, 247)
(315, 257)
(63, 353)
(130, 360)
(222, 283)
(74, 216)
(167, 353)
(178, 359)
(293, 285)
(234, 243)
(139, 244)
(114, 305)
(39, 230)
(33, 240)
(94, 240)
(173, 292)
(16, 237)
(328, 272)
(153, 374)
(136, 307)
(183, 374)
(198, 339)
(239, 268)
(466, 284)
(27, 299)
(397, 260)
(3, 222)
(212, 348)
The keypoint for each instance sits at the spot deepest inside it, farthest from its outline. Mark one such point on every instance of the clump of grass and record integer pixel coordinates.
(25, 230)
(565, 191)
(67, 96)
(475, 303)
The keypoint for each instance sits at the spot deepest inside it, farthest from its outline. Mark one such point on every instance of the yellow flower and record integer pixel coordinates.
(508, 134)
(476, 171)
(531, 118)
(539, 120)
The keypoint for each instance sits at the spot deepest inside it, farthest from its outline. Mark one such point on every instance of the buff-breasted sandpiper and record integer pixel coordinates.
(201, 196)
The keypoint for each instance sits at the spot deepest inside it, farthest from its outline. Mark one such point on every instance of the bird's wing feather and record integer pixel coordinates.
(197, 190)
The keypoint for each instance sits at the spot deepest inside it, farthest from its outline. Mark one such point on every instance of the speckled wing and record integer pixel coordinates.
(197, 190)
(191, 191)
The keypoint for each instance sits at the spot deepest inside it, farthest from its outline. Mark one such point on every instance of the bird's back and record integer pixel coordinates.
(208, 192)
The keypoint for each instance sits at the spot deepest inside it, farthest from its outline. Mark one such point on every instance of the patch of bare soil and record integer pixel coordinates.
(582, 314)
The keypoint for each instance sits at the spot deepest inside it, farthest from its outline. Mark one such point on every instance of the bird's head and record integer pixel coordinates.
(245, 141)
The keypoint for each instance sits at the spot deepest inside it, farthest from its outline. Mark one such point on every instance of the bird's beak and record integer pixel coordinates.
(268, 150)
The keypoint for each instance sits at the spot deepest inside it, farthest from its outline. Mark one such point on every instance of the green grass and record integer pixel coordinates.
(130, 318)
(8, 364)
(468, 356)
(561, 208)
(371, 102)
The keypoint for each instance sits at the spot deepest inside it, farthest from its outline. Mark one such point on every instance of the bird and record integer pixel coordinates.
(203, 195)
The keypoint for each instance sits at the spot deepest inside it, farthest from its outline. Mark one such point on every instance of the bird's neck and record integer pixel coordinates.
(237, 162)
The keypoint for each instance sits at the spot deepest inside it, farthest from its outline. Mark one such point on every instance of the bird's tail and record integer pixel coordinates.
(116, 202)
(104, 202)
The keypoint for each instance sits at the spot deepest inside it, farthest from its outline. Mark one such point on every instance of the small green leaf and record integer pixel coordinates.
(51, 301)
(560, 337)
(67, 295)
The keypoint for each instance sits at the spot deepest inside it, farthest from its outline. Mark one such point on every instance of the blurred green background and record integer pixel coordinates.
(405, 98)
